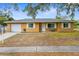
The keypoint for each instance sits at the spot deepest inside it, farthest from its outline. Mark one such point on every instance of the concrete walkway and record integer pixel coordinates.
(7, 35)
(41, 49)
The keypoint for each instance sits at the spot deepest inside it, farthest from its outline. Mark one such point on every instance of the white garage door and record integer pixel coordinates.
(16, 28)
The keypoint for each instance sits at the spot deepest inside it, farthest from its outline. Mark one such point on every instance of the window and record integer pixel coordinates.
(65, 25)
(30, 25)
(51, 25)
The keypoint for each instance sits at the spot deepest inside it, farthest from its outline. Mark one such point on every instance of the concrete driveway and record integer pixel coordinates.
(7, 35)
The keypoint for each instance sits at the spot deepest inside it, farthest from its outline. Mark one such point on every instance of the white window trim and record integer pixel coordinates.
(29, 27)
(51, 23)
(55, 25)
(46, 25)
(69, 26)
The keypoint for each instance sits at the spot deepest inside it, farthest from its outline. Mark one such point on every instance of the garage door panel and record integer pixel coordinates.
(16, 28)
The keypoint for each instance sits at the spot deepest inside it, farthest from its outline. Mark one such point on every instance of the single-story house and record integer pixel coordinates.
(39, 25)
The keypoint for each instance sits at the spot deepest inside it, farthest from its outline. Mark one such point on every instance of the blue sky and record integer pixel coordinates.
(21, 15)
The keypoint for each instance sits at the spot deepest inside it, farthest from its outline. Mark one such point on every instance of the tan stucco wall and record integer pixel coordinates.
(8, 28)
(60, 29)
(23, 26)
(36, 29)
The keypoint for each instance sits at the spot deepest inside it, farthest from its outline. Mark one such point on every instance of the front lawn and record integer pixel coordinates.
(43, 39)
(64, 35)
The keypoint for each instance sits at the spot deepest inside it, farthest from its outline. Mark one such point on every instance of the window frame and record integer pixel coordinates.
(52, 27)
(30, 27)
(69, 26)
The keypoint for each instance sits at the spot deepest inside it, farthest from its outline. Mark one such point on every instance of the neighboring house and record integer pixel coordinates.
(40, 25)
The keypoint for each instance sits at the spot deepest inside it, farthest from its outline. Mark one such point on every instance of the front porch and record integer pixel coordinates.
(56, 27)
(47, 27)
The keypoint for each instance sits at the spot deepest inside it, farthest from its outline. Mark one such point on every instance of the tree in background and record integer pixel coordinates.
(69, 8)
(5, 15)
(33, 9)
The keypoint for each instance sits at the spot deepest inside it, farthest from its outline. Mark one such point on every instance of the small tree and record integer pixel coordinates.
(5, 15)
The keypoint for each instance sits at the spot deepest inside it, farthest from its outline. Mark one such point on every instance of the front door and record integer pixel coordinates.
(43, 28)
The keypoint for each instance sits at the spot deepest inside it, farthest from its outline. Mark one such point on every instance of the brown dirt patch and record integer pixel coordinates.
(39, 39)
(41, 54)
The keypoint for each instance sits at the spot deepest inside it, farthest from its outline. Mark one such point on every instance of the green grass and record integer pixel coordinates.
(63, 34)
(72, 43)
(67, 38)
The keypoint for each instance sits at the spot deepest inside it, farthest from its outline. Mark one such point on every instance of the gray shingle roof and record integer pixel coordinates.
(37, 20)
